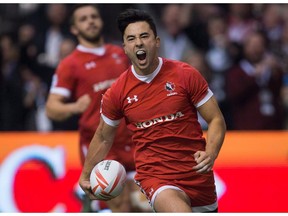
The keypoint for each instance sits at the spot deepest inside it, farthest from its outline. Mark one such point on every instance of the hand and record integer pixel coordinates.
(204, 162)
(86, 187)
(82, 103)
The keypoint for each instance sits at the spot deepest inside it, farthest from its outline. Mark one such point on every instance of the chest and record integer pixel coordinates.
(161, 98)
(97, 73)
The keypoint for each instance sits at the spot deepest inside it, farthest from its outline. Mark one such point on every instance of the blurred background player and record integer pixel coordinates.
(77, 87)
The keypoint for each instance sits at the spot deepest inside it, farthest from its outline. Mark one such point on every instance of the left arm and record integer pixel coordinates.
(215, 136)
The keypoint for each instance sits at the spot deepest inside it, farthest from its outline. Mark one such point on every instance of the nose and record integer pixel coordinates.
(90, 20)
(139, 42)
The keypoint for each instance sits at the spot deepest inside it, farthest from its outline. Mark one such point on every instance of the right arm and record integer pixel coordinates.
(63, 84)
(98, 149)
(57, 109)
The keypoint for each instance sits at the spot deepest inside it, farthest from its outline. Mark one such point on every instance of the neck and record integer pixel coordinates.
(148, 70)
(90, 44)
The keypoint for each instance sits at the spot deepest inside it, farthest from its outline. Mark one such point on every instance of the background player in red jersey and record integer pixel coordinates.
(159, 99)
(83, 77)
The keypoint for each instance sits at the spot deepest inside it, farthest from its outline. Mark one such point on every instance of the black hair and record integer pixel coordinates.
(76, 7)
(134, 15)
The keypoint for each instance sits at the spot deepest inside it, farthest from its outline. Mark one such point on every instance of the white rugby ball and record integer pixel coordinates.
(107, 179)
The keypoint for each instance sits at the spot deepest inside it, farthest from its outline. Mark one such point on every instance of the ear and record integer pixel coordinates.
(123, 44)
(157, 41)
(74, 30)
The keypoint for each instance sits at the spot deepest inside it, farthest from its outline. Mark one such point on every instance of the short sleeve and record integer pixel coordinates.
(197, 86)
(63, 80)
(110, 106)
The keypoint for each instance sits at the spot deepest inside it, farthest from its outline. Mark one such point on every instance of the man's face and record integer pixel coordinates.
(88, 24)
(254, 48)
(141, 46)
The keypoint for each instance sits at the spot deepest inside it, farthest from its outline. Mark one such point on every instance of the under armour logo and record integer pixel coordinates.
(132, 99)
(90, 65)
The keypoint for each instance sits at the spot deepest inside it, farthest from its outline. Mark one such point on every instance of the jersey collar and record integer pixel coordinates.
(148, 78)
(100, 51)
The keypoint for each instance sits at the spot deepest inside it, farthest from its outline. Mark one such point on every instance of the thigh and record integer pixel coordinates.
(172, 200)
(161, 190)
(201, 191)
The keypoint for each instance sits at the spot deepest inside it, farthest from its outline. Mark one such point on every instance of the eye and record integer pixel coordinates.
(145, 35)
(95, 16)
(130, 38)
(82, 18)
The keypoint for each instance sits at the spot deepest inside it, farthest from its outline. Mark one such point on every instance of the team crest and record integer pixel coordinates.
(170, 87)
(117, 58)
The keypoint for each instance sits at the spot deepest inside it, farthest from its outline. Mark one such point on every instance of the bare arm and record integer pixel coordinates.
(58, 110)
(98, 149)
(215, 135)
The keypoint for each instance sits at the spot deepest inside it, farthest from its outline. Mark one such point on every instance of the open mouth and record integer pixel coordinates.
(141, 55)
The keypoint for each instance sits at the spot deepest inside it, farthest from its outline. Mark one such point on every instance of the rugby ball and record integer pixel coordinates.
(107, 179)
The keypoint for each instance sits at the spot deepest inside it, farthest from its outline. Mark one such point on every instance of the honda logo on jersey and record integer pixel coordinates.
(154, 121)
(103, 85)
(90, 65)
(132, 99)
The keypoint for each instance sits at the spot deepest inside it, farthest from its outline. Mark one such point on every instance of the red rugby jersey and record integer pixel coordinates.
(92, 71)
(160, 110)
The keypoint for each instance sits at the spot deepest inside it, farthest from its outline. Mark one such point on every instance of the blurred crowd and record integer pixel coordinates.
(241, 50)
